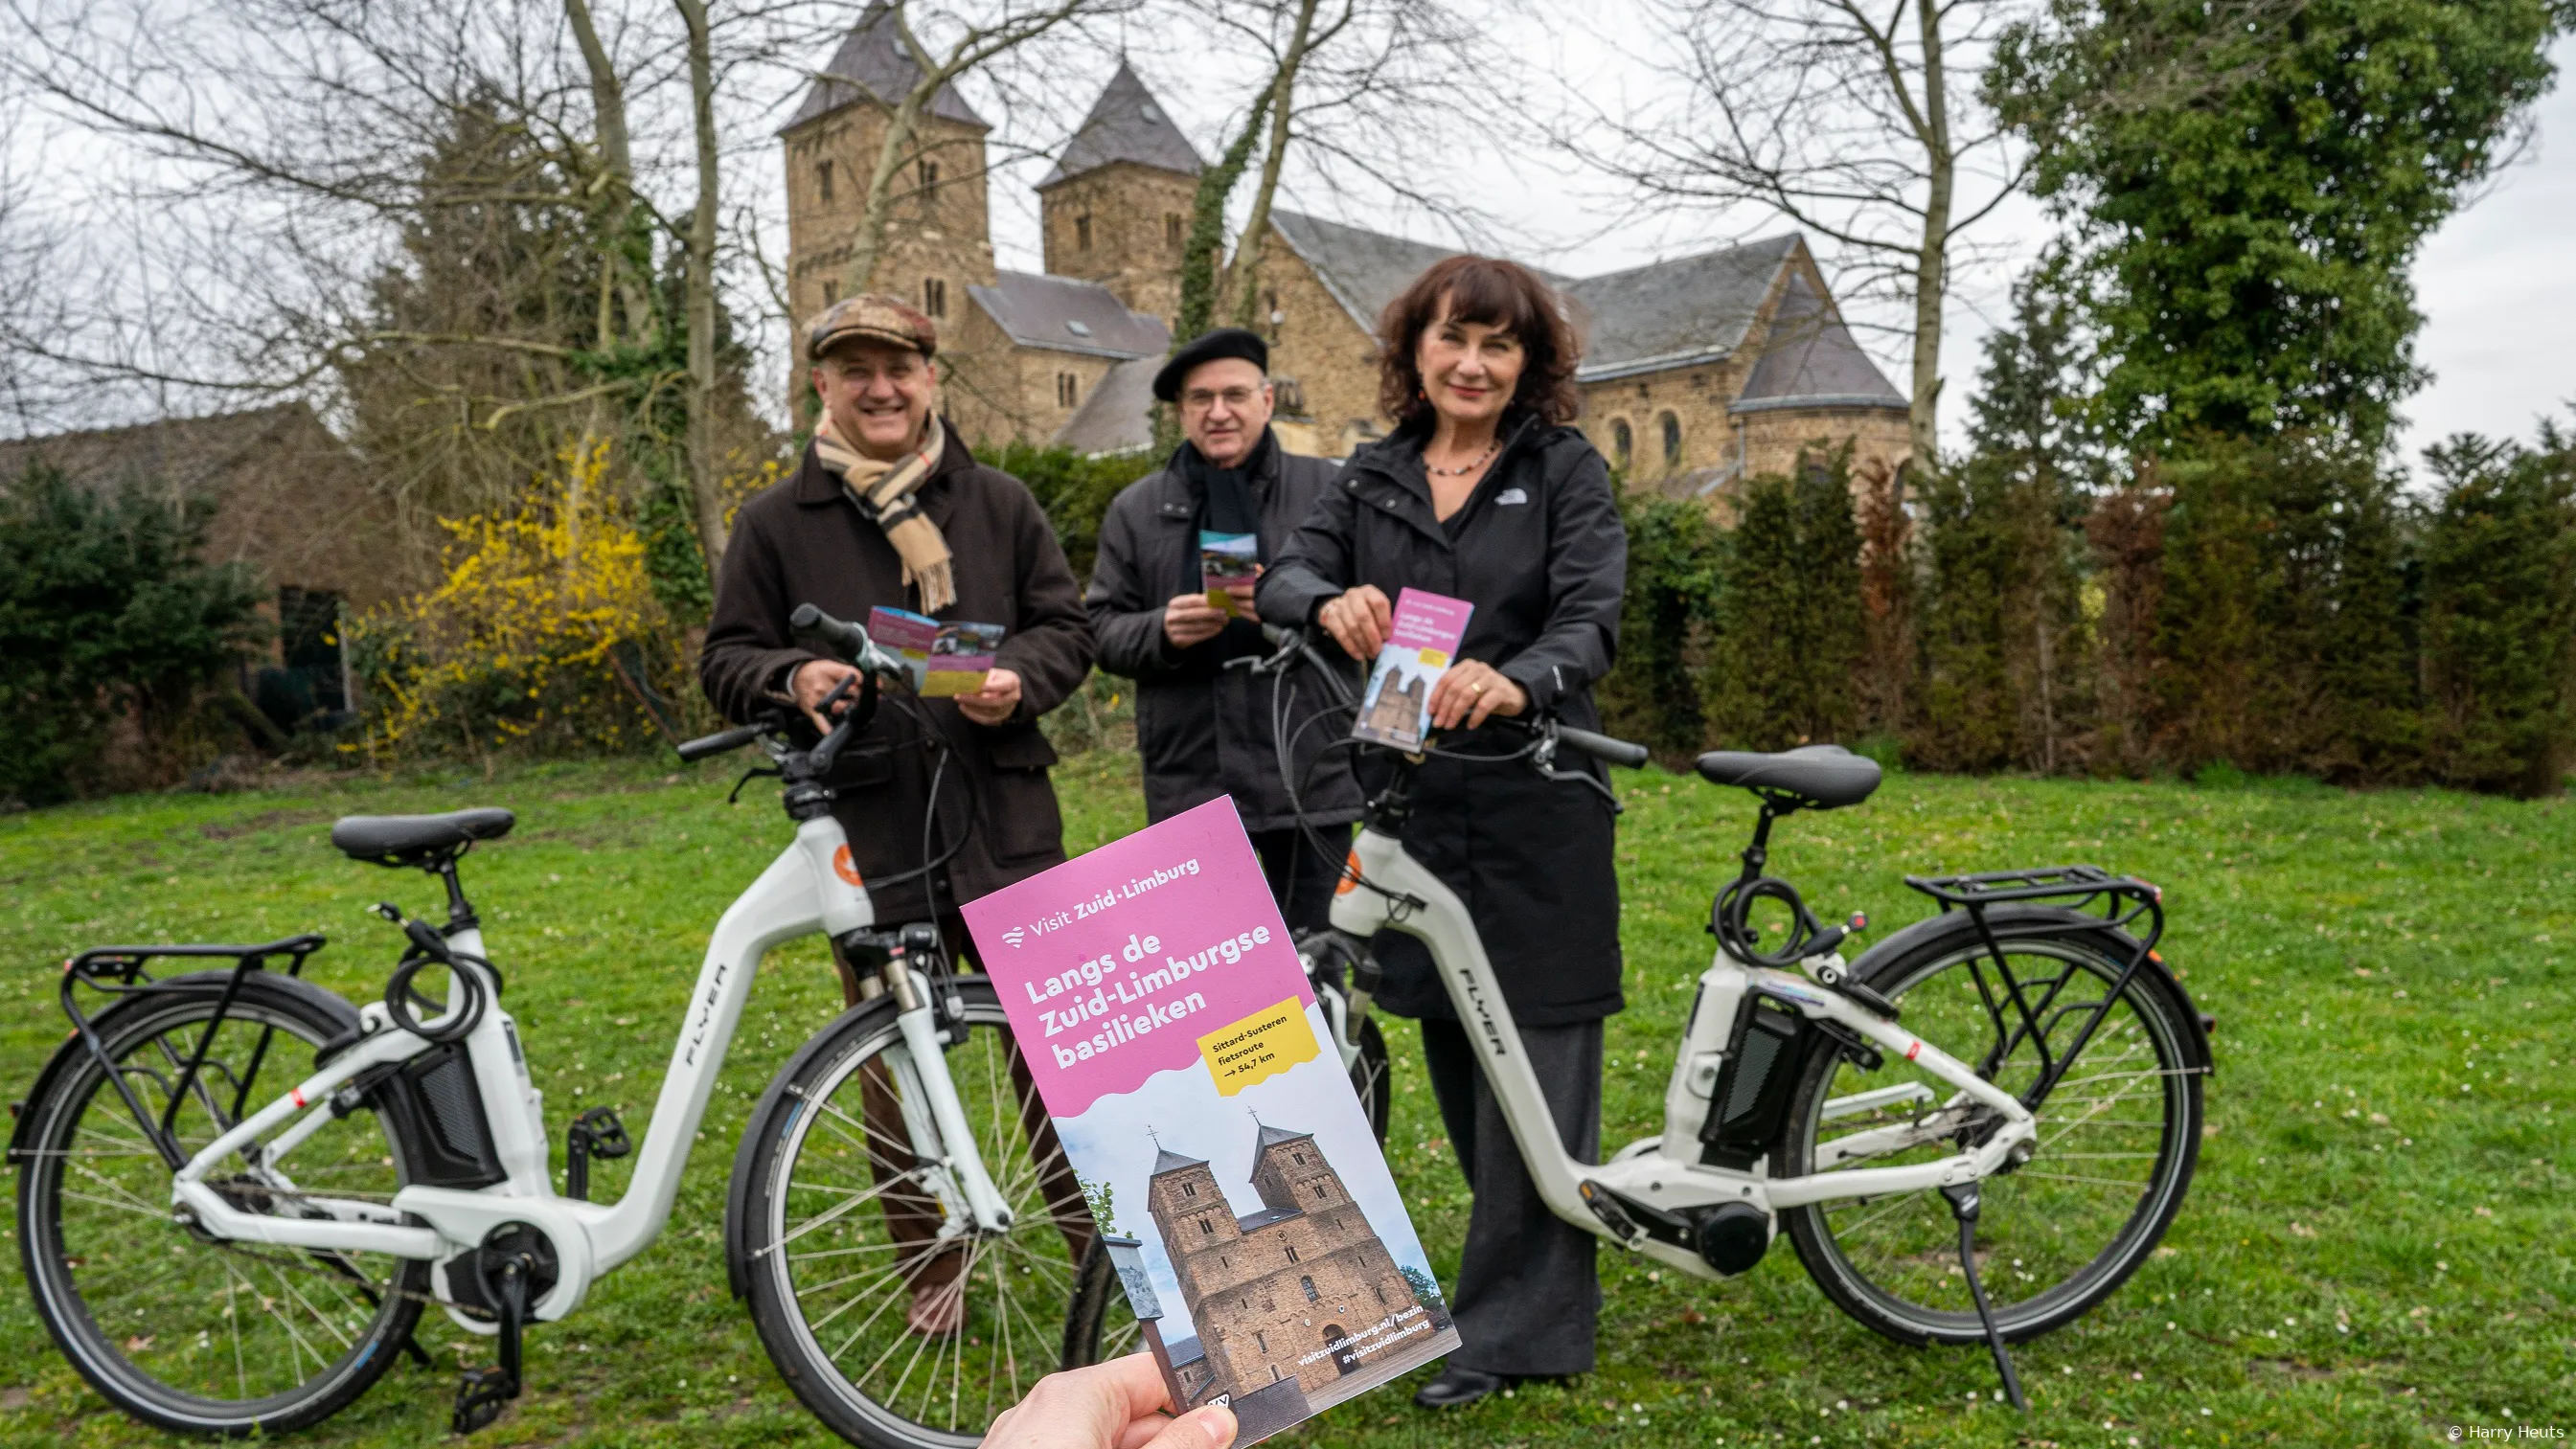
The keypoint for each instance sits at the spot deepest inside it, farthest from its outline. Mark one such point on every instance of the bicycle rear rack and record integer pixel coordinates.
(119, 971)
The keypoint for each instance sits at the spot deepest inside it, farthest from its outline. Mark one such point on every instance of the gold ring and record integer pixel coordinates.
(1478, 688)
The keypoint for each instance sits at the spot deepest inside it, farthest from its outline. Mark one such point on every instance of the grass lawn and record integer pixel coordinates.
(2377, 1246)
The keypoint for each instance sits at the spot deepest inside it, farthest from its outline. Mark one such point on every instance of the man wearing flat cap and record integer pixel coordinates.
(1205, 730)
(890, 508)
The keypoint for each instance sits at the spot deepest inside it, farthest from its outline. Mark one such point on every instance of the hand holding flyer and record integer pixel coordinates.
(1228, 561)
(946, 658)
(1168, 1026)
(1421, 645)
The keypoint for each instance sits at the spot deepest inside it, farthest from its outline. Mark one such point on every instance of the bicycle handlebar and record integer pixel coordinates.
(709, 746)
(1602, 747)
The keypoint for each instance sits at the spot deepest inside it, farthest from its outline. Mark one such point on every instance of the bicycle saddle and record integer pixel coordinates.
(1817, 777)
(411, 839)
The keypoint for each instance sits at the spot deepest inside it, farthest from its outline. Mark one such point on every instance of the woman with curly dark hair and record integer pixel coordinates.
(1485, 493)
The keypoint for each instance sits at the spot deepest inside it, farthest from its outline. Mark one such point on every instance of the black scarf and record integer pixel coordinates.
(1224, 497)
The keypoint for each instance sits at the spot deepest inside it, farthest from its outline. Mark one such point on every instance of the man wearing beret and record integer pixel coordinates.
(1205, 730)
(890, 508)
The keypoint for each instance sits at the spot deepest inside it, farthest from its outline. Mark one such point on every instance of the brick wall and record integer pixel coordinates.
(939, 230)
(996, 390)
(1123, 226)
(1316, 344)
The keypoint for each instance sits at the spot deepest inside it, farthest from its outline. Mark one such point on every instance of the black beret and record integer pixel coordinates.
(1210, 347)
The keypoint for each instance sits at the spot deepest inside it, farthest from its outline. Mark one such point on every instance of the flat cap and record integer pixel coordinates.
(1210, 347)
(872, 317)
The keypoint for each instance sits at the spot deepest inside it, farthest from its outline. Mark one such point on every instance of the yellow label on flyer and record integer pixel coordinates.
(1258, 1047)
(1433, 658)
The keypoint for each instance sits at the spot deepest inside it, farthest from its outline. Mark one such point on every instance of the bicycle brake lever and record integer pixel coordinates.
(755, 772)
(1584, 778)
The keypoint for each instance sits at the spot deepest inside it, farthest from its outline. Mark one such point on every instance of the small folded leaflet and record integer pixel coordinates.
(1419, 648)
(1227, 560)
(946, 658)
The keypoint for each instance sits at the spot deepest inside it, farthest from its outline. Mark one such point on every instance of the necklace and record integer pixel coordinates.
(1468, 467)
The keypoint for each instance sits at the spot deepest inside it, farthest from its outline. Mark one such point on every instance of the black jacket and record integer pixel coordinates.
(1541, 553)
(804, 541)
(1205, 730)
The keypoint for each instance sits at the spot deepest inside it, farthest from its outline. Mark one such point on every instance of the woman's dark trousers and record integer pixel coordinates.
(1528, 1296)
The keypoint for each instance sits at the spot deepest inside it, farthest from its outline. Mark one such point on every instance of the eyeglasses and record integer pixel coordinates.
(1198, 400)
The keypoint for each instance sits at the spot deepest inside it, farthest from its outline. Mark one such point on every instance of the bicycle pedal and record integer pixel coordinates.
(608, 1140)
(481, 1397)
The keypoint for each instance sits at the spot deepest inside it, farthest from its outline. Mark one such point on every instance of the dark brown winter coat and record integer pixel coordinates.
(803, 542)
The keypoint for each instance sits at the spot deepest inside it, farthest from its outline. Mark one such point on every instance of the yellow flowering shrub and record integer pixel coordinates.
(543, 637)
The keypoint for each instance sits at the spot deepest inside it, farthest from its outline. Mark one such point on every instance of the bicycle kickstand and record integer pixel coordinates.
(480, 1397)
(1963, 1204)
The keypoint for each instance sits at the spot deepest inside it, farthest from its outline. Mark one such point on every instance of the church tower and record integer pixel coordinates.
(1290, 1173)
(938, 239)
(1116, 207)
(1193, 1216)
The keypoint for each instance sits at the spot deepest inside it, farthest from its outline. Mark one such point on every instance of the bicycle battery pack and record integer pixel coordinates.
(1764, 1051)
(433, 1103)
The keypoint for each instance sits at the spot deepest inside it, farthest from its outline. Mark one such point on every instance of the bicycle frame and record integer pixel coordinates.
(1660, 1172)
(802, 892)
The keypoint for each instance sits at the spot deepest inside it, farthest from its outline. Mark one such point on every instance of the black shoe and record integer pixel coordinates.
(1456, 1388)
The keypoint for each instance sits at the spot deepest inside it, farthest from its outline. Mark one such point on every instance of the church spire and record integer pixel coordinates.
(1125, 124)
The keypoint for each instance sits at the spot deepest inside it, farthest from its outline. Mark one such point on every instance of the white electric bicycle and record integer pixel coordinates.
(1974, 1132)
(238, 1193)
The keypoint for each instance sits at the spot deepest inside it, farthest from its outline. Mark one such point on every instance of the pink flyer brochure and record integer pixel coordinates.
(946, 658)
(1242, 1196)
(1396, 710)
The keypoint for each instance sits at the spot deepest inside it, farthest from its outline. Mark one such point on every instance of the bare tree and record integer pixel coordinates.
(945, 46)
(1859, 120)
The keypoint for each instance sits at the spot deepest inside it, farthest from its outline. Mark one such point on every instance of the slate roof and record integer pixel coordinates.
(1125, 124)
(1672, 313)
(872, 62)
(1067, 315)
(1273, 1136)
(1118, 417)
(1644, 319)
(1811, 360)
(1364, 270)
(1267, 1216)
(1166, 1160)
(175, 457)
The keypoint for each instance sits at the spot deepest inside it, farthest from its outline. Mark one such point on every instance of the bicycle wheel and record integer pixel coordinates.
(2118, 1136)
(1369, 1077)
(894, 1335)
(178, 1329)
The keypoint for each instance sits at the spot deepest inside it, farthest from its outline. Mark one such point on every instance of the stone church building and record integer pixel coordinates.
(1698, 370)
(1272, 1294)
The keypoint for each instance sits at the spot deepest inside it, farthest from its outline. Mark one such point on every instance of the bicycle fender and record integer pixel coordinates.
(256, 983)
(746, 1154)
(2008, 920)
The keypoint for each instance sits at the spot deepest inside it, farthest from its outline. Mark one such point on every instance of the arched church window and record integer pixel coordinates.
(1292, 1252)
(1322, 1193)
(1189, 1189)
(934, 296)
(928, 170)
(1308, 1283)
(1082, 232)
(1172, 231)
(1623, 443)
(823, 177)
(1672, 441)
(1206, 1228)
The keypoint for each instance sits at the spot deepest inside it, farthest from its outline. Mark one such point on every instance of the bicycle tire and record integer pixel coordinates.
(1008, 1338)
(1890, 1284)
(1372, 1078)
(61, 1254)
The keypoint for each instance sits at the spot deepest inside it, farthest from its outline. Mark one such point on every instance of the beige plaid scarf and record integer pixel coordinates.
(884, 492)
